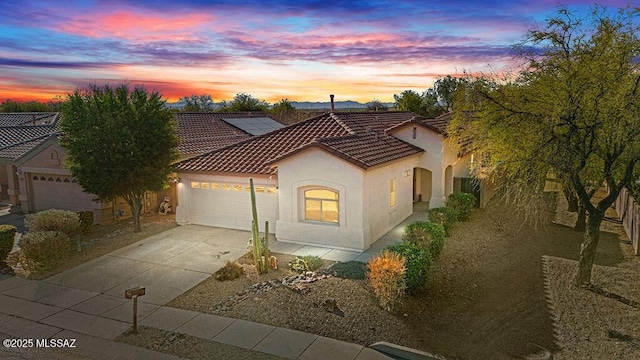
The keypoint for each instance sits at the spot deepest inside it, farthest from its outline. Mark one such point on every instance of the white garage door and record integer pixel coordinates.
(228, 205)
(59, 192)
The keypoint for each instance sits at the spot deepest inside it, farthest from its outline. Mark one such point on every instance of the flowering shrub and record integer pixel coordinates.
(385, 274)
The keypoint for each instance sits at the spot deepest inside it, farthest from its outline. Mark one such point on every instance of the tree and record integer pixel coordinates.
(425, 104)
(283, 106)
(409, 100)
(197, 103)
(573, 112)
(376, 105)
(447, 89)
(121, 142)
(9, 106)
(245, 102)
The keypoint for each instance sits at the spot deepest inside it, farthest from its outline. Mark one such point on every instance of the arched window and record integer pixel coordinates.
(321, 205)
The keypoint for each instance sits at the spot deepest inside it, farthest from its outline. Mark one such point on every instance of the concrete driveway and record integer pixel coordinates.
(167, 264)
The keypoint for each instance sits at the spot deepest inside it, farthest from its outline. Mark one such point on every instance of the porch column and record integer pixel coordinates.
(438, 196)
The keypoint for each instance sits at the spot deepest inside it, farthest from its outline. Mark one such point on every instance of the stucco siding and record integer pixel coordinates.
(316, 168)
(381, 216)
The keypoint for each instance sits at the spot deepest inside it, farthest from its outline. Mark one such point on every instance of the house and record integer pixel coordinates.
(32, 172)
(338, 179)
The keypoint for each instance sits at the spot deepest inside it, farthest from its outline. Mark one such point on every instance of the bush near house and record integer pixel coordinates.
(444, 216)
(417, 262)
(67, 222)
(462, 204)
(426, 234)
(7, 234)
(44, 250)
(386, 276)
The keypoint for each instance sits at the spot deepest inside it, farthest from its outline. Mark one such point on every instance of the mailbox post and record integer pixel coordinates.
(133, 294)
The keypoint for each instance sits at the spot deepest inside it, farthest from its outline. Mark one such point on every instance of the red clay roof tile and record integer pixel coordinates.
(355, 137)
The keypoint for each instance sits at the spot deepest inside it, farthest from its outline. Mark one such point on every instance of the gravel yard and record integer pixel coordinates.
(500, 290)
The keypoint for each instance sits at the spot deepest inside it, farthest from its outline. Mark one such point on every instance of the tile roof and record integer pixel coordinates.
(356, 137)
(19, 133)
(29, 119)
(203, 132)
(16, 151)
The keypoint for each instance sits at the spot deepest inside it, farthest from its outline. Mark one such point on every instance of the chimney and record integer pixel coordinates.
(332, 106)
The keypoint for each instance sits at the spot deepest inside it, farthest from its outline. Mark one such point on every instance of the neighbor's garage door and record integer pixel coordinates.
(59, 192)
(228, 205)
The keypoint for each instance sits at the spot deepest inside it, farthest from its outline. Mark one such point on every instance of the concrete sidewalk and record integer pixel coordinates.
(31, 309)
(87, 302)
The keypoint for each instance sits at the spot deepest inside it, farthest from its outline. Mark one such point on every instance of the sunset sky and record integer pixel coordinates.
(301, 50)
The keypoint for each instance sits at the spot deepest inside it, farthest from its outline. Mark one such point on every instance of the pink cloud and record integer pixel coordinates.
(136, 26)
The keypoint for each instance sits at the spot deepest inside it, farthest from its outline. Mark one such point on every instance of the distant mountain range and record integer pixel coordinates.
(308, 105)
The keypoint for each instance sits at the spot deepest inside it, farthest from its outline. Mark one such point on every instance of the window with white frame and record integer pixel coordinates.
(321, 205)
(392, 192)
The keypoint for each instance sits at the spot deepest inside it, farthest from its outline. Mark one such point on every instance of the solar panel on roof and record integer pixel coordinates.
(255, 126)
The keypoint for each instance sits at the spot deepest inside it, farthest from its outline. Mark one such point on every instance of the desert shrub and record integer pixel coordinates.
(418, 261)
(298, 265)
(386, 276)
(44, 250)
(53, 220)
(426, 234)
(230, 271)
(462, 204)
(349, 270)
(437, 241)
(7, 233)
(86, 221)
(313, 262)
(306, 263)
(444, 216)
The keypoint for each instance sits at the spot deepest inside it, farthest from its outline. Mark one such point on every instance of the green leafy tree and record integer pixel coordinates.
(244, 102)
(120, 141)
(376, 105)
(9, 106)
(409, 100)
(284, 106)
(197, 103)
(447, 88)
(572, 113)
(425, 104)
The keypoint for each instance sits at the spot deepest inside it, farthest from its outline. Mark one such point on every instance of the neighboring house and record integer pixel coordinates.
(32, 171)
(339, 179)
